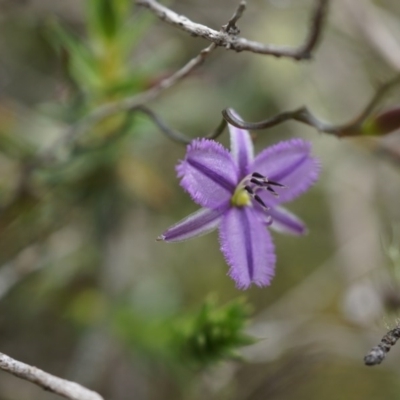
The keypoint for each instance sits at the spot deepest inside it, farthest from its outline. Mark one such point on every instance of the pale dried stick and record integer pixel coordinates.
(67, 389)
(224, 38)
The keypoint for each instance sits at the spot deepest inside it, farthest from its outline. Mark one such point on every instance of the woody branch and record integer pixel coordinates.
(224, 38)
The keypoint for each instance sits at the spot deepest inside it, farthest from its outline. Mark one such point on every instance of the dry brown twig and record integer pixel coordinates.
(51, 383)
(231, 27)
(224, 38)
(378, 353)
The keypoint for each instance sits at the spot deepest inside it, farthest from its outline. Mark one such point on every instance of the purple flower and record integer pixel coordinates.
(241, 195)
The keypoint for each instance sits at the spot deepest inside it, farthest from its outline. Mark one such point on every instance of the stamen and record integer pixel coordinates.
(263, 180)
(269, 220)
(277, 184)
(257, 182)
(249, 190)
(272, 191)
(266, 183)
(256, 197)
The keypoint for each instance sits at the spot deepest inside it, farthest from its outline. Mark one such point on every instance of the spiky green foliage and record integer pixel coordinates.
(214, 333)
(99, 64)
(194, 340)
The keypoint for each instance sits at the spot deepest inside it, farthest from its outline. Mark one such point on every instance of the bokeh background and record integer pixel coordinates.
(86, 293)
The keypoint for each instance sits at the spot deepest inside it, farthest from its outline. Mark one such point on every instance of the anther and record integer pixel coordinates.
(272, 191)
(265, 185)
(258, 199)
(255, 196)
(262, 180)
(257, 182)
(249, 190)
(277, 184)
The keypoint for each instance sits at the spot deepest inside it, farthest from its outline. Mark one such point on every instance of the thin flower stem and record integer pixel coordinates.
(301, 115)
(376, 99)
(223, 38)
(220, 128)
(305, 116)
(173, 134)
(51, 383)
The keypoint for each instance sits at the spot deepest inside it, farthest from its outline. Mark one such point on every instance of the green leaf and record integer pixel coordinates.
(82, 64)
(102, 19)
(106, 17)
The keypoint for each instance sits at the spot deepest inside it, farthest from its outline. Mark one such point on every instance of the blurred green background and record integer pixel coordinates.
(86, 293)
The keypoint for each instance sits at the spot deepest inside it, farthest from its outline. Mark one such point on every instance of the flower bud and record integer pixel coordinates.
(383, 123)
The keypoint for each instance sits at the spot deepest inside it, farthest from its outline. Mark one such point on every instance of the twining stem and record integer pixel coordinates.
(305, 116)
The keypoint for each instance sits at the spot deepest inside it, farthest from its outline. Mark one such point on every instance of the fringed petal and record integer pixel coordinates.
(208, 173)
(289, 163)
(199, 223)
(248, 248)
(241, 149)
(284, 221)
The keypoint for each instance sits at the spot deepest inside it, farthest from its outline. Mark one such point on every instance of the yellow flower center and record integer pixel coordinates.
(240, 198)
